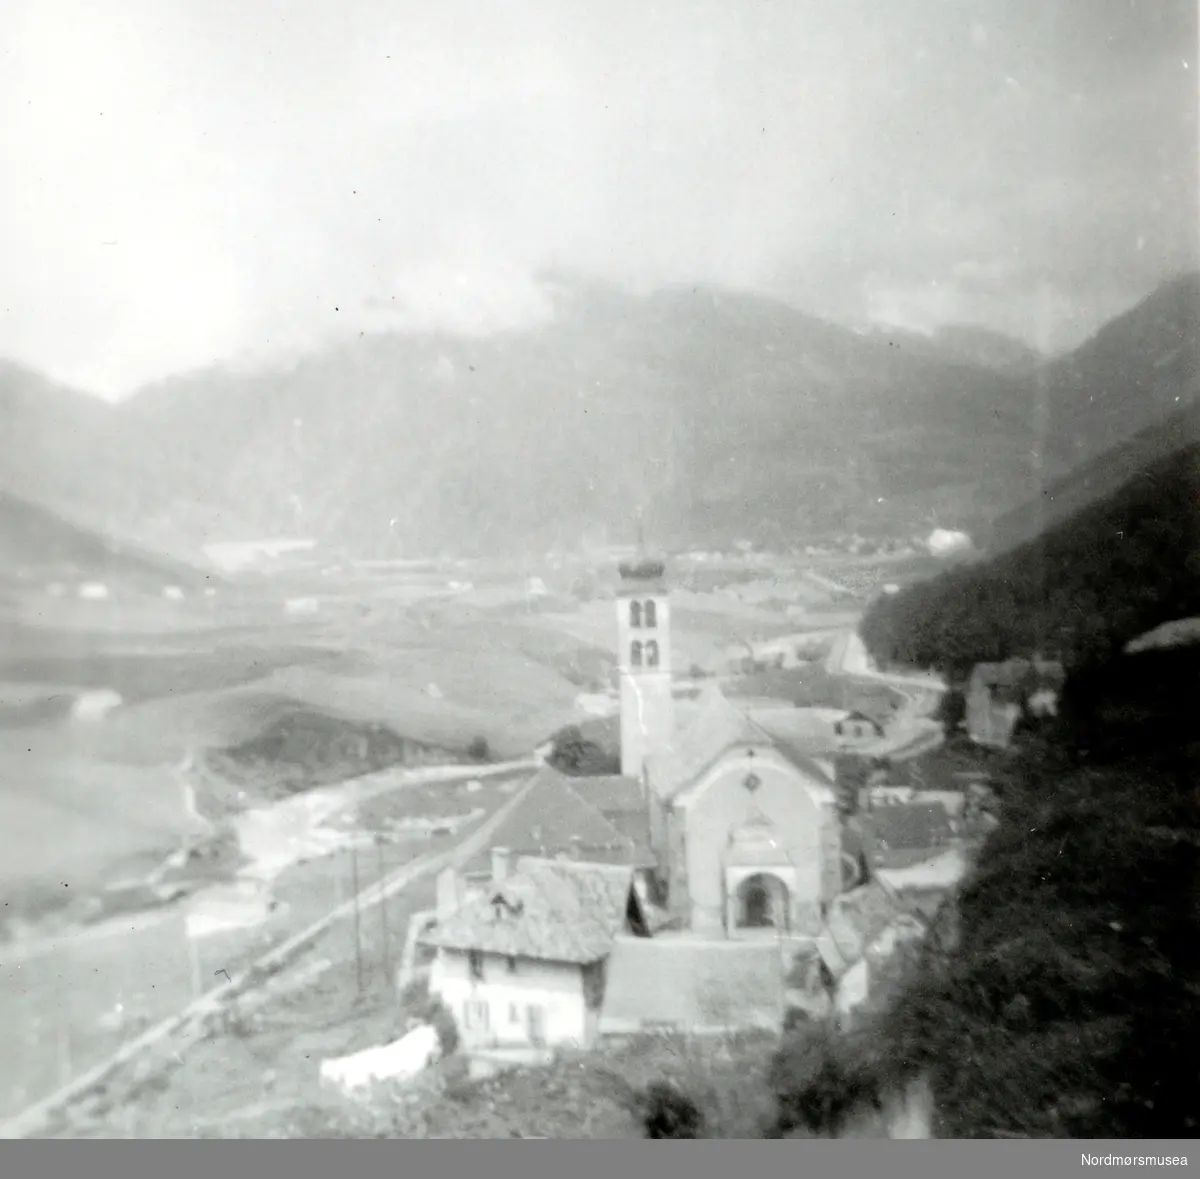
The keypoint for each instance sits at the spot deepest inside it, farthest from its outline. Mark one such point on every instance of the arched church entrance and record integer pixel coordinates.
(762, 903)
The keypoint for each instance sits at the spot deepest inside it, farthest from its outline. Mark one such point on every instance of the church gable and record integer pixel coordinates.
(717, 728)
(746, 769)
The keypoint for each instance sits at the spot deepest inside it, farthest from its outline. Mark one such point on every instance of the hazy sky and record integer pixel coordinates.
(192, 181)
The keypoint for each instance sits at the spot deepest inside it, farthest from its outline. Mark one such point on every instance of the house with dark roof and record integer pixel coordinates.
(857, 728)
(904, 833)
(999, 693)
(525, 963)
(600, 820)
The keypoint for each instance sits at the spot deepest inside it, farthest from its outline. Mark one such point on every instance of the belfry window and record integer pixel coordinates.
(635, 614)
(652, 654)
(635, 654)
(651, 614)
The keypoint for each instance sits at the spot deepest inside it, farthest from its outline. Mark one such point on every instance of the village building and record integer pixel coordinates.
(718, 882)
(594, 820)
(898, 834)
(858, 728)
(746, 830)
(864, 933)
(1000, 693)
(525, 964)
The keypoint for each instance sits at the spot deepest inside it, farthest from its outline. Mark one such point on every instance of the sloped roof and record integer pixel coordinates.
(717, 727)
(720, 725)
(858, 714)
(610, 793)
(620, 799)
(695, 985)
(554, 819)
(908, 826)
(940, 872)
(856, 918)
(1013, 672)
(548, 910)
(797, 732)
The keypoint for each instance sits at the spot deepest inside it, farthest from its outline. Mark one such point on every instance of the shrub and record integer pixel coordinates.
(478, 749)
(417, 1003)
(573, 754)
(820, 1082)
(665, 1111)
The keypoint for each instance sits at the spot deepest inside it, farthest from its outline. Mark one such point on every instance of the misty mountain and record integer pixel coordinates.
(38, 546)
(720, 414)
(989, 349)
(1127, 398)
(1135, 374)
(1096, 479)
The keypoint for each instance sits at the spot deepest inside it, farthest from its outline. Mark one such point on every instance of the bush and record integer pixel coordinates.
(417, 1003)
(820, 1083)
(478, 749)
(1060, 1010)
(573, 754)
(665, 1111)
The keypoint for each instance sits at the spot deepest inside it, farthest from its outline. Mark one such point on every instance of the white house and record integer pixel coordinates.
(525, 963)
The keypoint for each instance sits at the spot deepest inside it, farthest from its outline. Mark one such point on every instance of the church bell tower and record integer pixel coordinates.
(644, 662)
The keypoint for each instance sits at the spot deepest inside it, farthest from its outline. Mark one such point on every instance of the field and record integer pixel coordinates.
(390, 654)
(485, 665)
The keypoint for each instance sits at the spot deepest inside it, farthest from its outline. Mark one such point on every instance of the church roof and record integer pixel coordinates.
(800, 732)
(717, 727)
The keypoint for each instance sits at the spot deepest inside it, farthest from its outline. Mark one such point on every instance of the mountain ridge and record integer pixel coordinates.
(718, 414)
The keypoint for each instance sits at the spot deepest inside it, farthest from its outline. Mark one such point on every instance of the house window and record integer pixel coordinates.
(475, 1015)
(651, 615)
(475, 965)
(652, 653)
(635, 614)
(512, 965)
(635, 655)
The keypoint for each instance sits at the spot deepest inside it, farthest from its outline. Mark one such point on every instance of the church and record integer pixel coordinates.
(744, 828)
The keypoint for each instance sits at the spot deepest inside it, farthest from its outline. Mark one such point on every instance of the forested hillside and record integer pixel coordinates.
(1080, 591)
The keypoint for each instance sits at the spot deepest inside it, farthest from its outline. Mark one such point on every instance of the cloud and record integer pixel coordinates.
(198, 181)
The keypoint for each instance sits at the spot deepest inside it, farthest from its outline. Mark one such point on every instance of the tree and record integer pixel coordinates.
(952, 710)
(575, 755)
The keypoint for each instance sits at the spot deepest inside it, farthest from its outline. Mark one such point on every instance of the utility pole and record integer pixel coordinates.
(358, 961)
(194, 962)
(383, 914)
